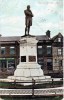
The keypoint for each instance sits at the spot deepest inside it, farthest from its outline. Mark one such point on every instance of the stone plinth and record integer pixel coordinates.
(28, 67)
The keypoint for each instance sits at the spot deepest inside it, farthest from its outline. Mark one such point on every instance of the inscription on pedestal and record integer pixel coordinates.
(23, 58)
(32, 58)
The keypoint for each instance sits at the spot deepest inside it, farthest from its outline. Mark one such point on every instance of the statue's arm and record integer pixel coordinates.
(28, 13)
(31, 13)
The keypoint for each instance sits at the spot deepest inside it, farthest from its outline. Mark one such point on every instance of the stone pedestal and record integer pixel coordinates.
(28, 67)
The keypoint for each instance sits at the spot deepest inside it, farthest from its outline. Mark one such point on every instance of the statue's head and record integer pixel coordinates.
(28, 7)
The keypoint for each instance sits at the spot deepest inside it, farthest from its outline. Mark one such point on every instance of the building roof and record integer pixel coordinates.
(17, 38)
(42, 37)
(53, 38)
(11, 38)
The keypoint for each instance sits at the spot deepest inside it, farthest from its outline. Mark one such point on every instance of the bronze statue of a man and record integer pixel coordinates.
(28, 19)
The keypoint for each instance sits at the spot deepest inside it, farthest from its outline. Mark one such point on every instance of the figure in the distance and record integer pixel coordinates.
(28, 19)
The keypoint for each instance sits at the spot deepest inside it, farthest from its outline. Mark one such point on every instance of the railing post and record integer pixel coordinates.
(14, 83)
(33, 84)
(52, 83)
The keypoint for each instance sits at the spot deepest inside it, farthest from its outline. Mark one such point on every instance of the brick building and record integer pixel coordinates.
(49, 52)
(57, 52)
(9, 52)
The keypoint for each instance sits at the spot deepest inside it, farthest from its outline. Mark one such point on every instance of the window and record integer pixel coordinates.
(48, 50)
(12, 50)
(49, 64)
(55, 60)
(59, 39)
(40, 61)
(39, 46)
(39, 50)
(3, 63)
(0, 63)
(3, 50)
(23, 58)
(11, 63)
(59, 52)
(60, 63)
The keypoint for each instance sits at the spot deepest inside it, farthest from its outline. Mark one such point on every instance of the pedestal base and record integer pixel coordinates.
(25, 72)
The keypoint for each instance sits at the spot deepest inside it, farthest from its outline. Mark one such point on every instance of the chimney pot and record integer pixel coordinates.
(48, 33)
(0, 35)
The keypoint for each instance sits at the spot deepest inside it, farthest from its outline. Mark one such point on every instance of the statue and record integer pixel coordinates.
(28, 19)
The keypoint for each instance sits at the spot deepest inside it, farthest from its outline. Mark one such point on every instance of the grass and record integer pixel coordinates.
(34, 98)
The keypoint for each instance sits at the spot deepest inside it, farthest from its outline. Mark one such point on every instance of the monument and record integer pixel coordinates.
(28, 19)
(28, 68)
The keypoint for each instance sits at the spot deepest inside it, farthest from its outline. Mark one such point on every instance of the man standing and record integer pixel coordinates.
(28, 19)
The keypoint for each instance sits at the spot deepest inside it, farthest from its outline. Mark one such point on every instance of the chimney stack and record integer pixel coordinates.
(48, 33)
(0, 35)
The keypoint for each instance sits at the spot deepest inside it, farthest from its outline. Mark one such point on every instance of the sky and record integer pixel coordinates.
(48, 15)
